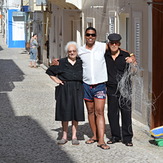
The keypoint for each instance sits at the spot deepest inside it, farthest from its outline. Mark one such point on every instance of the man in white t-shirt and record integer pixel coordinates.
(94, 78)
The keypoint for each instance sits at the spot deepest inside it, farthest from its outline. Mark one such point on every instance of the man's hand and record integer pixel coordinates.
(128, 59)
(131, 59)
(55, 62)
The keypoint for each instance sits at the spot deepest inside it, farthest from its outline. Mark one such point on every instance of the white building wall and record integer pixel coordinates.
(129, 18)
(104, 15)
(138, 36)
(77, 3)
(123, 29)
(131, 21)
(65, 26)
(8, 4)
(12, 4)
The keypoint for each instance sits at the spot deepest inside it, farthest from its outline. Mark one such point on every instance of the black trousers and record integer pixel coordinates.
(116, 106)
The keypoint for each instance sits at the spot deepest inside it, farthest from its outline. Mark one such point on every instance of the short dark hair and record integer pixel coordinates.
(90, 28)
(34, 34)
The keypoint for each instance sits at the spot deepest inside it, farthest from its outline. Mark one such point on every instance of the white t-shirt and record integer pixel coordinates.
(94, 65)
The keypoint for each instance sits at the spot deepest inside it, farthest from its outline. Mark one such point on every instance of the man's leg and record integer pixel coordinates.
(92, 120)
(127, 132)
(113, 117)
(100, 122)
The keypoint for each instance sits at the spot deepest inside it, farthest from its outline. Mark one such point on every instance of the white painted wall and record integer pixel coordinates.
(77, 3)
(139, 44)
(122, 29)
(65, 26)
(71, 25)
(13, 4)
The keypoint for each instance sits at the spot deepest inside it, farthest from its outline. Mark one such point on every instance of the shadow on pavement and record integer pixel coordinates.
(153, 142)
(1, 48)
(9, 73)
(83, 129)
(22, 139)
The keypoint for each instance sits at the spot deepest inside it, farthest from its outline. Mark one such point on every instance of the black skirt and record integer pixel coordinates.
(69, 101)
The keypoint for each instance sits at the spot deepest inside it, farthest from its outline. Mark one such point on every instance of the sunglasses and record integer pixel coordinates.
(114, 42)
(90, 34)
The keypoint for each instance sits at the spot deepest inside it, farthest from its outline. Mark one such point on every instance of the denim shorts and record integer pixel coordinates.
(97, 91)
(33, 54)
(33, 57)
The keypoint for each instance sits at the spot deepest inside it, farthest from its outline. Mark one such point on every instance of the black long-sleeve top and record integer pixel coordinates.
(117, 67)
(65, 71)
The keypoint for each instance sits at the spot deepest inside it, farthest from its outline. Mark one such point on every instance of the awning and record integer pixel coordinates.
(67, 4)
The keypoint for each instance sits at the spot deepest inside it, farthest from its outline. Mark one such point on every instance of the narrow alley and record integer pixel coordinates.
(29, 133)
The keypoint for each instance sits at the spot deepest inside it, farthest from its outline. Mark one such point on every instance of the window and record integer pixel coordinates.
(127, 33)
(111, 24)
(137, 35)
(90, 22)
(54, 32)
(38, 2)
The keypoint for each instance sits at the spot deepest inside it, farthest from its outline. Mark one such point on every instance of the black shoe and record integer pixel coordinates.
(129, 144)
(113, 140)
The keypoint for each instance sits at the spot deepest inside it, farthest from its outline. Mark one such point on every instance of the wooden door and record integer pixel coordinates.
(157, 75)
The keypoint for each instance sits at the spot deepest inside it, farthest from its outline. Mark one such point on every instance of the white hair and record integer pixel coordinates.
(71, 43)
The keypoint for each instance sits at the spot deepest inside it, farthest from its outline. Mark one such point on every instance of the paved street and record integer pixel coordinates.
(28, 132)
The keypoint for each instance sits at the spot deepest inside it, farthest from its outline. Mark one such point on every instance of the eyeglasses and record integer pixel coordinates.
(114, 42)
(70, 51)
(90, 34)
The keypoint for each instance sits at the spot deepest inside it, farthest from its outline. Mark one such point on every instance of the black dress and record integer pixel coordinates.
(69, 97)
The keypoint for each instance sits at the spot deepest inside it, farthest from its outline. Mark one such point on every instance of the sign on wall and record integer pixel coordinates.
(18, 30)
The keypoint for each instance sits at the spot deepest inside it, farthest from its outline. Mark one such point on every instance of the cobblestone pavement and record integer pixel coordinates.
(28, 132)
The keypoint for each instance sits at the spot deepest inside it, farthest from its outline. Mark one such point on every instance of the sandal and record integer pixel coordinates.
(103, 146)
(91, 141)
(112, 141)
(62, 142)
(75, 142)
(129, 144)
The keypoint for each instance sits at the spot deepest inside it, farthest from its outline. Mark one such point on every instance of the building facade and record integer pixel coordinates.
(68, 21)
(58, 21)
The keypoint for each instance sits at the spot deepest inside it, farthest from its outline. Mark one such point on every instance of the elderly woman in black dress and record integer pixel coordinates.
(69, 93)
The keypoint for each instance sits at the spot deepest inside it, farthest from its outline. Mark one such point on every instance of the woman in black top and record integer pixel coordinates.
(69, 93)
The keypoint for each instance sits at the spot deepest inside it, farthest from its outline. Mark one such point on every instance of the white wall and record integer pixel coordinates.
(65, 26)
(13, 4)
(77, 3)
(123, 28)
(139, 44)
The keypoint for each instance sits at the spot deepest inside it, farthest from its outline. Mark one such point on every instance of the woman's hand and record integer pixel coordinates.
(56, 80)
